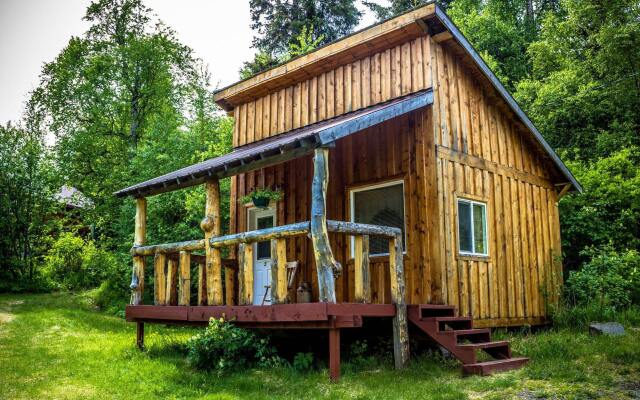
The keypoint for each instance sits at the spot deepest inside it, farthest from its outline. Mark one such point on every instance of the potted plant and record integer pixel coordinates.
(262, 197)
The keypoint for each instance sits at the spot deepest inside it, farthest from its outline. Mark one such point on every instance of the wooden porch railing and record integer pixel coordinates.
(172, 263)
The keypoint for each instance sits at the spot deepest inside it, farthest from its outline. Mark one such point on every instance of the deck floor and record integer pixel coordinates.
(301, 316)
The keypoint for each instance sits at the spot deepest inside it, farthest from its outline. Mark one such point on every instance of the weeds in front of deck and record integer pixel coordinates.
(56, 346)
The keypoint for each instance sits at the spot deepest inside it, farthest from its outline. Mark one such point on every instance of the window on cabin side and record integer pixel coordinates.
(472, 227)
(379, 205)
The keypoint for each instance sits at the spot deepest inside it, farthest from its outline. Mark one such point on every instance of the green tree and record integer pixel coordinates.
(279, 24)
(26, 203)
(584, 91)
(584, 95)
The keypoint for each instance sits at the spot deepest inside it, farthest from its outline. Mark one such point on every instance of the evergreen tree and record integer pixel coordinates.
(279, 23)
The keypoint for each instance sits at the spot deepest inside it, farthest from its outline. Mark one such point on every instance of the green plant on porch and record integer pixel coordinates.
(262, 197)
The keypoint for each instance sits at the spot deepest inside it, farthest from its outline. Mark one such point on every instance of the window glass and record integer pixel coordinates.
(264, 248)
(380, 206)
(464, 224)
(479, 229)
(472, 227)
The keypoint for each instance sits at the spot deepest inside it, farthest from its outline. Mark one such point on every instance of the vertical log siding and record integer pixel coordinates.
(468, 144)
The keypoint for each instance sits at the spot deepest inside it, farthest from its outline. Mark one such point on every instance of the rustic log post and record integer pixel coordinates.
(137, 273)
(202, 285)
(184, 296)
(245, 273)
(326, 264)
(211, 227)
(400, 328)
(229, 285)
(278, 271)
(159, 282)
(171, 292)
(362, 280)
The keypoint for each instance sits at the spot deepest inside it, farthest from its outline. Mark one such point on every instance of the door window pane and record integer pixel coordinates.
(380, 206)
(264, 248)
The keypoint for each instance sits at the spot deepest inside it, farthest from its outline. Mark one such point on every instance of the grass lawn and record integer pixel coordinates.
(55, 346)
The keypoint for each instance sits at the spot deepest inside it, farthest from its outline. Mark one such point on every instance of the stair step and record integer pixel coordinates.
(436, 310)
(473, 335)
(456, 323)
(485, 345)
(488, 367)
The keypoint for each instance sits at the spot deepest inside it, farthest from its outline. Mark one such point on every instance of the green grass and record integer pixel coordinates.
(56, 346)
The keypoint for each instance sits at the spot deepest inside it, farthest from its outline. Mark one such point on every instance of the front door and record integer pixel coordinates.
(260, 218)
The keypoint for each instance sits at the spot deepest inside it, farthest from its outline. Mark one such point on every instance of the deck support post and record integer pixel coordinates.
(140, 335)
(334, 354)
(400, 326)
(326, 265)
(211, 227)
(137, 273)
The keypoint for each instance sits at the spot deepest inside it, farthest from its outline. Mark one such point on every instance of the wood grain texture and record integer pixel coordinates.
(137, 273)
(184, 283)
(483, 153)
(468, 144)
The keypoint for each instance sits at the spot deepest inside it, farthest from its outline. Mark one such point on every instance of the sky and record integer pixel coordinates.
(33, 32)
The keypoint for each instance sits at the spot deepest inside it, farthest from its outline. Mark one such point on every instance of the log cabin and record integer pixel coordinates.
(411, 185)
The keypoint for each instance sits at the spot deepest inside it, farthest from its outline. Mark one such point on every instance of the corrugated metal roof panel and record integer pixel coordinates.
(280, 148)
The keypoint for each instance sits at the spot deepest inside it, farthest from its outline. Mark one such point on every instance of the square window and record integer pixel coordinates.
(379, 205)
(472, 227)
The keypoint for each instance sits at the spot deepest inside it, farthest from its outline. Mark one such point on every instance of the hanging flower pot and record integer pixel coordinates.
(262, 197)
(261, 202)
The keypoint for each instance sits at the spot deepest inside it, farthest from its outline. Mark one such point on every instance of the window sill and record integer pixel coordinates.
(474, 257)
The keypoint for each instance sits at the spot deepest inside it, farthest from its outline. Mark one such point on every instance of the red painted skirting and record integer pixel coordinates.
(288, 314)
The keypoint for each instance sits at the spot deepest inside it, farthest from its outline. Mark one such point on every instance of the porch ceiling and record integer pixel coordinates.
(277, 149)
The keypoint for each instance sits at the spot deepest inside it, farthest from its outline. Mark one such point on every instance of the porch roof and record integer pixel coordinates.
(280, 148)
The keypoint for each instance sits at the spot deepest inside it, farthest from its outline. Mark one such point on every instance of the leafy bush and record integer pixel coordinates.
(303, 362)
(74, 264)
(608, 279)
(223, 347)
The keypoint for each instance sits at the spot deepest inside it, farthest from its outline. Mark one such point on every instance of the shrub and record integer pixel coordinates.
(63, 262)
(74, 264)
(609, 278)
(303, 361)
(223, 347)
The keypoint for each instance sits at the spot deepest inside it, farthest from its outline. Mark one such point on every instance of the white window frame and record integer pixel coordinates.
(373, 186)
(472, 227)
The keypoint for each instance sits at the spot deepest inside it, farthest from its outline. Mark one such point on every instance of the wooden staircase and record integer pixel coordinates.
(456, 334)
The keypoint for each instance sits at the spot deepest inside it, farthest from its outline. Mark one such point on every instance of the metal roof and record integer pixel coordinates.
(282, 147)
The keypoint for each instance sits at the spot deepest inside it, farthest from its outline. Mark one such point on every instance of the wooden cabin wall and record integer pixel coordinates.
(391, 73)
(481, 153)
(402, 148)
